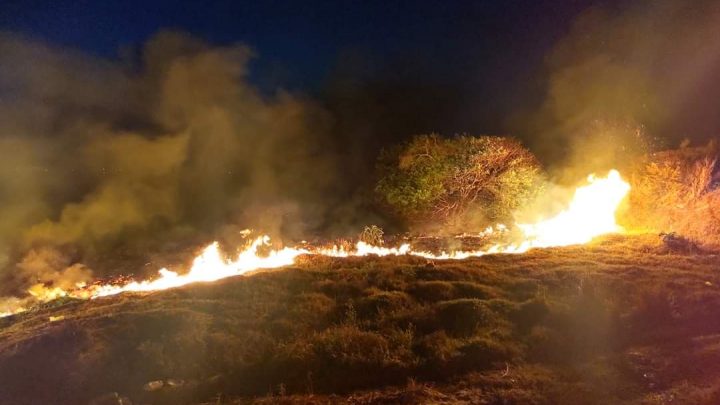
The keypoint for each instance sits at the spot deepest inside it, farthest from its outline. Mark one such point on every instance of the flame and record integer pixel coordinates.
(590, 213)
(209, 266)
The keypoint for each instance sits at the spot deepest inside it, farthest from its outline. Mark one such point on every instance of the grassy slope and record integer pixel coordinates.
(619, 321)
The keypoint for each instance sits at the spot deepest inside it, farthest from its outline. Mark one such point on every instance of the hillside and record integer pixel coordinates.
(622, 320)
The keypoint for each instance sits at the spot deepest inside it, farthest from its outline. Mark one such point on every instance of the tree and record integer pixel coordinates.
(432, 179)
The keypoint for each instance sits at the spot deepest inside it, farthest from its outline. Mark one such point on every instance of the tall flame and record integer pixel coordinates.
(590, 213)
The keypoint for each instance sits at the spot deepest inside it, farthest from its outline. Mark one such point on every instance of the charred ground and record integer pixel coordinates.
(622, 320)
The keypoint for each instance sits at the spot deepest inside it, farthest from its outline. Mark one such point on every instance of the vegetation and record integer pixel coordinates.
(435, 180)
(676, 191)
(372, 235)
(622, 321)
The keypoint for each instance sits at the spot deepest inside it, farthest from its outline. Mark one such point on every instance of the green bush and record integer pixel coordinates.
(432, 180)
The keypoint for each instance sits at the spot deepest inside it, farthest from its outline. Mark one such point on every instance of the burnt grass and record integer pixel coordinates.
(622, 320)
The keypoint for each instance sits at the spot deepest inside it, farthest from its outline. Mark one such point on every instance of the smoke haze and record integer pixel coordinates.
(100, 157)
(172, 145)
(647, 71)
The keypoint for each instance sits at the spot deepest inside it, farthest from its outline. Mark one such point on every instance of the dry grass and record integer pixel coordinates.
(676, 191)
(622, 321)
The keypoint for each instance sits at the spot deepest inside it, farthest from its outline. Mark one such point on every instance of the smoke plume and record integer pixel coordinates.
(626, 78)
(106, 158)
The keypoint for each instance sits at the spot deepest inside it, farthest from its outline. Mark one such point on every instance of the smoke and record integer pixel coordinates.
(623, 79)
(120, 158)
(104, 162)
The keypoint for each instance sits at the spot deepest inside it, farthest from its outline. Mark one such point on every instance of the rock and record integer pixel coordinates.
(153, 385)
(174, 383)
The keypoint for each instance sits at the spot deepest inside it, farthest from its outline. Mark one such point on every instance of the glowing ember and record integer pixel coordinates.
(591, 213)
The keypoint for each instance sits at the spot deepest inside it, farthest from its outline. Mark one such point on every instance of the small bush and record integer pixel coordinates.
(372, 235)
(529, 313)
(310, 308)
(433, 290)
(345, 357)
(432, 180)
(463, 317)
(481, 353)
(467, 289)
(348, 346)
(379, 302)
(501, 306)
(437, 348)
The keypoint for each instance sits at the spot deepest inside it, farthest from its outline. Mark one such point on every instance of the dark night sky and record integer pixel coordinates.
(306, 36)
(481, 62)
(489, 49)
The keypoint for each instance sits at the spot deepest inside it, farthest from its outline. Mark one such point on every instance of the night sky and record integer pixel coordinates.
(386, 70)
(482, 50)
(307, 37)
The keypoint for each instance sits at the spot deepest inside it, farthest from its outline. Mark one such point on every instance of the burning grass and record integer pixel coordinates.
(590, 212)
(622, 320)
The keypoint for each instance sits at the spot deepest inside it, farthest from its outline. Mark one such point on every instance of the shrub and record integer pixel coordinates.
(468, 289)
(480, 353)
(348, 346)
(345, 357)
(529, 313)
(432, 290)
(309, 308)
(379, 302)
(676, 191)
(372, 235)
(432, 179)
(462, 317)
(437, 348)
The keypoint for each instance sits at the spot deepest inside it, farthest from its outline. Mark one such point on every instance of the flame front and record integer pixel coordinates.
(590, 213)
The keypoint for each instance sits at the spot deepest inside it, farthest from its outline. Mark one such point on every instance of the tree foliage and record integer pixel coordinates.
(432, 179)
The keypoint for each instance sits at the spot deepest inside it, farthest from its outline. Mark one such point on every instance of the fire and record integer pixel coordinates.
(590, 213)
(210, 266)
